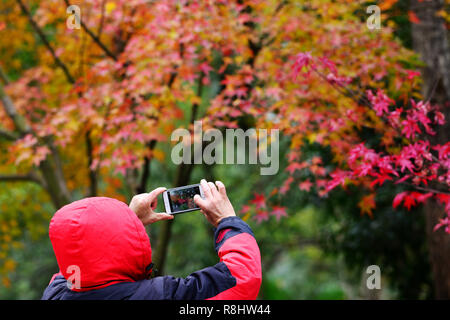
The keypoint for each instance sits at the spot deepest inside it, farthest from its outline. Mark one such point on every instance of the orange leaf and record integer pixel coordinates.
(387, 4)
(413, 17)
(158, 154)
(366, 204)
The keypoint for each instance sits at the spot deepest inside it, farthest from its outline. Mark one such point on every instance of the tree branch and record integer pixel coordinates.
(94, 37)
(146, 169)
(52, 176)
(70, 79)
(426, 189)
(30, 177)
(102, 19)
(93, 173)
(10, 109)
(41, 34)
(182, 178)
(3, 76)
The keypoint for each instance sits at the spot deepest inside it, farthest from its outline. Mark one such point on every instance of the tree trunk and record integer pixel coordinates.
(183, 177)
(430, 40)
(54, 183)
(185, 170)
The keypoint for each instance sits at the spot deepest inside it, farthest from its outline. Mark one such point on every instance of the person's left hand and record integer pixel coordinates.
(143, 205)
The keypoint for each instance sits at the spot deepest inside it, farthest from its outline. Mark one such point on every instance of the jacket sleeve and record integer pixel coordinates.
(236, 276)
(238, 250)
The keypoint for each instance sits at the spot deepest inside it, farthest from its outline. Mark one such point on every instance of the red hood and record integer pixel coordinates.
(104, 238)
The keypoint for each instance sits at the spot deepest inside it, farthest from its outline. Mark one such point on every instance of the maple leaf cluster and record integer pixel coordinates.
(411, 160)
(293, 66)
(262, 210)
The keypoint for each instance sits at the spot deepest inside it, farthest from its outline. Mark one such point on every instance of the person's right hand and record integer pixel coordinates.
(215, 205)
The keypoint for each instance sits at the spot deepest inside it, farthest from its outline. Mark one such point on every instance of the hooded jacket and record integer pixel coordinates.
(104, 252)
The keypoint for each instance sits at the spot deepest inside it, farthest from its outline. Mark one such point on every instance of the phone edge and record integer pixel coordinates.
(166, 202)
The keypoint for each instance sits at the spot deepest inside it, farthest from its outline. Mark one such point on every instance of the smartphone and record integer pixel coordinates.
(181, 199)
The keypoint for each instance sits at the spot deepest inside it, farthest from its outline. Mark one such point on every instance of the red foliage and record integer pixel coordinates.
(412, 160)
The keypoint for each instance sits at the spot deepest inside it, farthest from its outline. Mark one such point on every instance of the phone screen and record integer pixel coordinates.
(183, 199)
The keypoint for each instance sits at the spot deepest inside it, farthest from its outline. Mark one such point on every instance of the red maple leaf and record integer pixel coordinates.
(286, 185)
(278, 212)
(294, 166)
(413, 17)
(409, 202)
(259, 201)
(410, 199)
(261, 215)
(245, 208)
(380, 180)
(398, 199)
(305, 185)
(302, 60)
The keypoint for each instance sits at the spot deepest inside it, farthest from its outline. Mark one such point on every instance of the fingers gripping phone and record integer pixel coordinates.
(181, 199)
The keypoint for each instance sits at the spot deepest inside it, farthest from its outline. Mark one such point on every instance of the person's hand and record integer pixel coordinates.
(143, 205)
(215, 205)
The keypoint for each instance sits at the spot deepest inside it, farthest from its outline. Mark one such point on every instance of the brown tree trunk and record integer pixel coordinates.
(183, 177)
(431, 41)
(54, 182)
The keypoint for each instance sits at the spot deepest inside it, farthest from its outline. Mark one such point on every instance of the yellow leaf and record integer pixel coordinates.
(239, 59)
(159, 155)
(246, 216)
(110, 6)
(442, 13)
(311, 137)
(196, 100)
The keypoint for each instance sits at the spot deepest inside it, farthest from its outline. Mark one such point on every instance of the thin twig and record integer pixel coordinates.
(433, 89)
(44, 39)
(10, 109)
(94, 37)
(102, 20)
(30, 177)
(347, 92)
(3, 76)
(427, 189)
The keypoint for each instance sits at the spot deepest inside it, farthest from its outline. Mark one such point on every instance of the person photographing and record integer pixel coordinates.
(103, 251)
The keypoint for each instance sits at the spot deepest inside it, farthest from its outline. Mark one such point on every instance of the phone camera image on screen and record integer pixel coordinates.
(181, 200)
